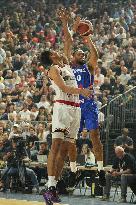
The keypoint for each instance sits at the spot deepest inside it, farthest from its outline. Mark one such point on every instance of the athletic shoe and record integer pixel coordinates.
(51, 197)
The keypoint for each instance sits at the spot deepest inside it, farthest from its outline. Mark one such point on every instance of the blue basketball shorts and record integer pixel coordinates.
(89, 115)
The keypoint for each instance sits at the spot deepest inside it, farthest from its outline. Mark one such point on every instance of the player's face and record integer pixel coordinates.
(79, 57)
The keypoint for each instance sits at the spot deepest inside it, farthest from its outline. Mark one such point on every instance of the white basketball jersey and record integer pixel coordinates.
(69, 78)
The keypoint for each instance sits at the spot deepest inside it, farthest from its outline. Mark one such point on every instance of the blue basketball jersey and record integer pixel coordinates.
(89, 110)
(84, 79)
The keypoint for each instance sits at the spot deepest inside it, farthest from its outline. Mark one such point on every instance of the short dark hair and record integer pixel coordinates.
(45, 58)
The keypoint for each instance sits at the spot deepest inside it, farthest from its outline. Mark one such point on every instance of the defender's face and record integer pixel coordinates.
(55, 55)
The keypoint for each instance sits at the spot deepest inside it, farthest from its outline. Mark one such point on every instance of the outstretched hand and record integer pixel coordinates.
(63, 15)
(76, 24)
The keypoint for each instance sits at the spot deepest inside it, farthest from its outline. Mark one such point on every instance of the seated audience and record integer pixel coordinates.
(14, 156)
(123, 170)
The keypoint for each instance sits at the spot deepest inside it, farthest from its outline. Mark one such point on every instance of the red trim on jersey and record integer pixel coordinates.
(68, 103)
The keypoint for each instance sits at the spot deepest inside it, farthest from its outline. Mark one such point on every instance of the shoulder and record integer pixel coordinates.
(53, 70)
(129, 156)
(118, 138)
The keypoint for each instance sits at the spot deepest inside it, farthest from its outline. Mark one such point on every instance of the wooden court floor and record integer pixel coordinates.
(22, 202)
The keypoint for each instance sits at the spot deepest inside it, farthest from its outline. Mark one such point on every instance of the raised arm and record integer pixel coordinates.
(93, 55)
(64, 17)
(68, 35)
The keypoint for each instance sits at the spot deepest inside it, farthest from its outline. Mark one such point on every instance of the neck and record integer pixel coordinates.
(59, 63)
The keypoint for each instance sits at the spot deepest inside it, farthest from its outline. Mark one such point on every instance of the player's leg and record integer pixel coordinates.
(92, 125)
(51, 163)
(72, 149)
(72, 153)
(97, 147)
(61, 156)
(58, 125)
(98, 152)
(50, 195)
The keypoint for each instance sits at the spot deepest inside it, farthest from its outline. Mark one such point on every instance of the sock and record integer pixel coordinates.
(100, 165)
(73, 167)
(52, 181)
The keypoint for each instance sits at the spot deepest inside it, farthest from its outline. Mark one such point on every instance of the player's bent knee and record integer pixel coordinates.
(58, 135)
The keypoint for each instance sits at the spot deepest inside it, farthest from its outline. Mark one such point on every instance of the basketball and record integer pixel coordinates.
(85, 28)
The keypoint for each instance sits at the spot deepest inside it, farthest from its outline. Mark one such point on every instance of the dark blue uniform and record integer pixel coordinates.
(89, 110)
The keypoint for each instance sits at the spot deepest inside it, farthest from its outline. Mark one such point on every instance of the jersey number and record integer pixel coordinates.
(78, 77)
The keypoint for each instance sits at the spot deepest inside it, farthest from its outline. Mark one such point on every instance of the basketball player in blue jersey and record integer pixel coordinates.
(84, 72)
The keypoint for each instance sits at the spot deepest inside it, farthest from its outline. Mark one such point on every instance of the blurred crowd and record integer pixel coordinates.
(28, 27)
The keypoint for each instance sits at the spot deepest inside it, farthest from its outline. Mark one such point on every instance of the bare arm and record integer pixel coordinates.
(64, 17)
(130, 147)
(93, 56)
(68, 37)
(54, 74)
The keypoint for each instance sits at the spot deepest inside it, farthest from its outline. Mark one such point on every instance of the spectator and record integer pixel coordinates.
(31, 137)
(102, 69)
(17, 64)
(12, 165)
(34, 111)
(2, 54)
(84, 139)
(43, 149)
(44, 102)
(106, 87)
(132, 80)
(118, 88)
(124, 77)
(15, 131)
(124, 141)
(124, 168)
(29, 102)
(16, 78)
(41, 133)
(89, 156)
(25, 113)
(100, 119)
(25, 130)
(42, 114)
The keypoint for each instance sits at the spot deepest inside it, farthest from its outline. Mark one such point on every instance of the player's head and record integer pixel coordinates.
(49, 57)
(79, 57)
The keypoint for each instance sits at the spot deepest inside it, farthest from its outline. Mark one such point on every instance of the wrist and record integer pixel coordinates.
(80, 91)
(71, 32)
(64, 23)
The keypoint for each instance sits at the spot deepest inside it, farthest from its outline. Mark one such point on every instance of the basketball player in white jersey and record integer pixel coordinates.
(66, 112)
